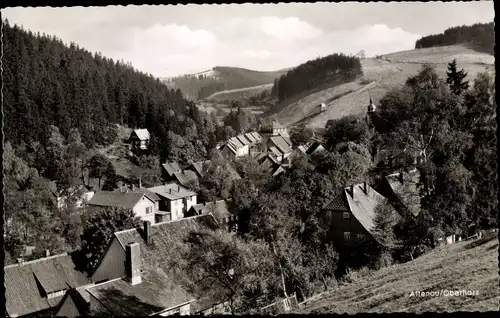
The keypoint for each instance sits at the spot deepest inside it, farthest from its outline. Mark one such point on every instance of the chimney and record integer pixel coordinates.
(47, 253)
(352, 190)
(401, 177)
(140, 182)
(147, 232)
(133, 263)
(133, 187)
(365, 187)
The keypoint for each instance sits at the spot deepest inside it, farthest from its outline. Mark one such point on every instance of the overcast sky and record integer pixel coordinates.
(172, 40)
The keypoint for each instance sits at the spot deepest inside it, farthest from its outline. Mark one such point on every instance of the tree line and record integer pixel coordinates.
(481, 36)
(335, 68)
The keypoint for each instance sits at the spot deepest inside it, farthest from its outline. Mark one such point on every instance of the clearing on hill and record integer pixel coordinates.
(240, 93)
(381, 74)
(468, 265)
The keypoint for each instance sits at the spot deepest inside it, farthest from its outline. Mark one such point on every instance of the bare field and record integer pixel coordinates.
(469, 266)
(239, 94)
(380, 76)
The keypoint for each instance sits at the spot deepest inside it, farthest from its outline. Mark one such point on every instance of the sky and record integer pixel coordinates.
(172, 40)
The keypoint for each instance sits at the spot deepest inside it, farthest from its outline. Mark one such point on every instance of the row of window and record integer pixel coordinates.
(347, 236)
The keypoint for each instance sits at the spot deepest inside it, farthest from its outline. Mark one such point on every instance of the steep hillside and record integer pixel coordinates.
(221, 78)
(381, 74)
(470, 266)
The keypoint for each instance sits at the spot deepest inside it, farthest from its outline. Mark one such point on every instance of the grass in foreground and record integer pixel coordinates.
(470, 266)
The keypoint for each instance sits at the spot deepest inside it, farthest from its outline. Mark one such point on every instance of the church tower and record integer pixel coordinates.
(370, 113)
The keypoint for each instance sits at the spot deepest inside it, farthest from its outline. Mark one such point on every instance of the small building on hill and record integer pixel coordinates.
(322, 107)
(36, 288)
(139, 139)
(278, 128)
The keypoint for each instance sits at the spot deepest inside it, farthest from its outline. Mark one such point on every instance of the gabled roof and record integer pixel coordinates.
(25, 284)
(171, 167)
(243, 140)
(361, 204)
(250, 137)
(275, 151)
(302, 148)
(80, 299)
(315, 147)
(408, 191)
(172, 191)
(276, 170)
(218, 209)
(142, 134)
(236, 143)
(229, 146)
(199, 167)
(116, 199)
(186, 178)
(281, 144)
(126, 189)
(156, 292)
(256, 136)
(285, 136)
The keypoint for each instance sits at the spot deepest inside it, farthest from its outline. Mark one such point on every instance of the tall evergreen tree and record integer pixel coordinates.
(455, 79)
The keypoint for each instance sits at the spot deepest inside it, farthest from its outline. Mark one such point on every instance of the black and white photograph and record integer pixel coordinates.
(249, 159)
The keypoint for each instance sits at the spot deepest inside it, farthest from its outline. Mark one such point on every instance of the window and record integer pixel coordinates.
(56, 294)
(347, 236)
(346, 215)
(149, 209)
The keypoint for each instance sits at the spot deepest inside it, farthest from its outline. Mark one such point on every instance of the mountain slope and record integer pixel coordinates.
(221, 78)
(470, 266)
(381, 74)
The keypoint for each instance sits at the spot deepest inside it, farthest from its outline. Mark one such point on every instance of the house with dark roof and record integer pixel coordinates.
(315, 149)
(133, 277)
(353, 213)
(139, 139)
(36, 288)
(186, 178)
(270, 164)
(199, 167)
(141, 203)
(75, 303)
(219, 209)
(175, 200)
(168, 170)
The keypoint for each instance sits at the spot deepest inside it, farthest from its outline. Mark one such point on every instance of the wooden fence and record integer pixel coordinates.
(280, 306)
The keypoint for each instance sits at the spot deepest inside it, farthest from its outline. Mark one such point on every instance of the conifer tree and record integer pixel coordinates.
(456, 78)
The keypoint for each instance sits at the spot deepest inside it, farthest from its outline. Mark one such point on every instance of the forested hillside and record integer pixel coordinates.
(61, 105)
(222, 78)
(479, 36)
(332, 69)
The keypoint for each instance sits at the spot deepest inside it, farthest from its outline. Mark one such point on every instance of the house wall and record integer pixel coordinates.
(140, 209)
(112, 265)
(340, 225)
(176, 207)
(190, 201)
(182, 310)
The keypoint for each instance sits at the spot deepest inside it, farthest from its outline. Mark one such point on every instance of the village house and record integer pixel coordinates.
(278, 128)
(80, 194)
(269, 164)
(219, 209)
(353, 213)
(280, 148)
(139, 139)
(143, 205)
(36, 288)
(168, 170)
(133, 277)
(315, 149)
(199, 167)
(174, 199)
(234, 149)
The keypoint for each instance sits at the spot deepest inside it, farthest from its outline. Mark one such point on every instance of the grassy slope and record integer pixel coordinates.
(380, 76)
(471, 265)
(239, 94)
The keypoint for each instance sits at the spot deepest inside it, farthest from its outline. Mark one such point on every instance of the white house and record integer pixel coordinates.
(139, 139)
(141, 204)
(174, 199)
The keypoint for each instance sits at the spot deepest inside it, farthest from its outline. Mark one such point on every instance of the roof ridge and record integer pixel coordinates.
(37, 260)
